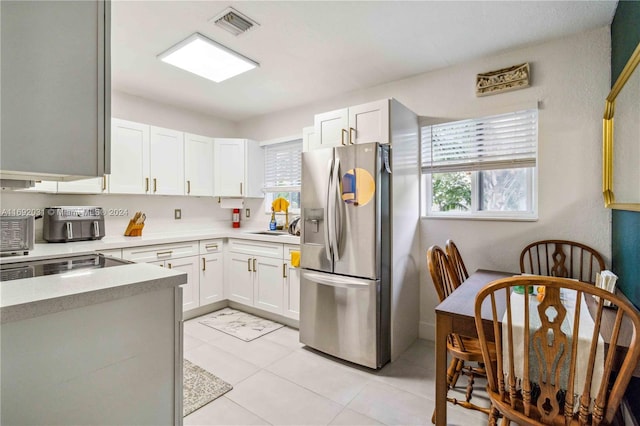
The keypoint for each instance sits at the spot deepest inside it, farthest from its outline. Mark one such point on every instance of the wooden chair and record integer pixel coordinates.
(456, 261)
(541, 394)
(462, 349)
(561, 258)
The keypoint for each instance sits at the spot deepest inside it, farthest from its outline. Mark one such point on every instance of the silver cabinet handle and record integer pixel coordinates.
(96, 228)
(164, 253)
(104, 182)
(344, 131)
(69, 230)
(352, 131)
(188, 187)
(240, 188)
(211, 246)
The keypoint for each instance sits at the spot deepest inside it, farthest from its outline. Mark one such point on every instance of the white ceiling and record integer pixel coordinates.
(313, 50)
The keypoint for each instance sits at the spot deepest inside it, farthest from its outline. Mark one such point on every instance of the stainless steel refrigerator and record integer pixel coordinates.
(345, 253)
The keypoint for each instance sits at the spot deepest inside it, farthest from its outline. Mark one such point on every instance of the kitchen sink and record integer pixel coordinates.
(270, 233)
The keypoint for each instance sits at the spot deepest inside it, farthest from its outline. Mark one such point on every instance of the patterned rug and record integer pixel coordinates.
(199, 387)
(239, 324)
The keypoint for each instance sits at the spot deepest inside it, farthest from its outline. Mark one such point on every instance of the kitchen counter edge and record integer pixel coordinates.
(56, 250)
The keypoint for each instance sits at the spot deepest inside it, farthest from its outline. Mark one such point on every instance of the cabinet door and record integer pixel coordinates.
(190, 290)
(166, 161)
(211, 278)
(330, 129)
(268, 283)
(129, 157)
(198, 165)
(239, 278)
(291, 293)
(55, 87)
(84, 186)
(228, 169)
(369, 122)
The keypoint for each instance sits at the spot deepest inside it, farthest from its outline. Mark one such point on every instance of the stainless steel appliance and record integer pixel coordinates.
(38, 268)
(73, 223)
(17, 236)
(345, 253)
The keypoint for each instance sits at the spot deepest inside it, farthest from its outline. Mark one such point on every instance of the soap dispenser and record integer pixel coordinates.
(272, 223)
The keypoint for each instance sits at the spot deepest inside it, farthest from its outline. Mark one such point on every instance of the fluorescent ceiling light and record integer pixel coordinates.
(206, 58)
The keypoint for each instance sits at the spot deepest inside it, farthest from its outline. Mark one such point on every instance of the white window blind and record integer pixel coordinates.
(282, 167)
(504, 141)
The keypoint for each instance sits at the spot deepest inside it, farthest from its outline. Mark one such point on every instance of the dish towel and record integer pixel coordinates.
(295, 259)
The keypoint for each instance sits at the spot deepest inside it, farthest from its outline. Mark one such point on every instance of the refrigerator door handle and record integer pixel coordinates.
(328, 246)
(337, 209)
(337, 281)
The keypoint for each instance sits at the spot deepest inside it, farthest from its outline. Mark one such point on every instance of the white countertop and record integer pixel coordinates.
(54, 250)
(30, 297)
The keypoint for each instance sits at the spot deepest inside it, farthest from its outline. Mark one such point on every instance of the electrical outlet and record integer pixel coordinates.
(247, 212)
(177, 214)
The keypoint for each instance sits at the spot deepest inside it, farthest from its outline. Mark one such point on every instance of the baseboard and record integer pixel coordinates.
(427, 331)
(264, 314)
(203, 310)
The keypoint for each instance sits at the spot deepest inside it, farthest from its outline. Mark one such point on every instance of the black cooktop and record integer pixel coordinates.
(38, 268)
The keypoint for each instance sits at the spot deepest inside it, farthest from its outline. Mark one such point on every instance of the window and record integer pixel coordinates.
(283, 174)
(482, 167)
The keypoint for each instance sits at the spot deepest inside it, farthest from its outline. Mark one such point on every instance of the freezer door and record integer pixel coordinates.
(358, 192)
(340, 316)
(315, 245)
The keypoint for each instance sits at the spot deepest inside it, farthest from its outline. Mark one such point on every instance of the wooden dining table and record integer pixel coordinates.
(456, 315)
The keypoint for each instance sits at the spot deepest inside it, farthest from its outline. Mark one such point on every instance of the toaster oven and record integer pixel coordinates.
(17, 234)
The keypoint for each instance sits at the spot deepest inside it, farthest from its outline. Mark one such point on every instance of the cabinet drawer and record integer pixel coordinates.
(211, 246)
(256, 248)
(160, 252)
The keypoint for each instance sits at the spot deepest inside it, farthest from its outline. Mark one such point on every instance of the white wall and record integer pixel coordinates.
(134, 108)
(570, 80)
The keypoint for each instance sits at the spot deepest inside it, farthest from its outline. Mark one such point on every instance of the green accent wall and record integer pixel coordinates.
(625, 227)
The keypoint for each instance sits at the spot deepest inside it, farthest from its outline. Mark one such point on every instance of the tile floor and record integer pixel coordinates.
(278, 381)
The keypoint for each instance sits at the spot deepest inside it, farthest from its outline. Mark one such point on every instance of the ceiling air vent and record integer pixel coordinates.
(233, 21)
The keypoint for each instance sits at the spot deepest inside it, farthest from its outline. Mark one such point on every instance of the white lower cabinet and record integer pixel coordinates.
(239, 278)
(267, 283)
(181, 256)
(291, 294)
(211, 278)
(253, 273)
(260, 274)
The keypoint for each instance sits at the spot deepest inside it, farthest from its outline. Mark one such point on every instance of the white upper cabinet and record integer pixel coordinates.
(129, 157)
(198, 165)
(166, 161)
(331, 129)
(55, 89)
(369, 122)
(238, 168)
(358, 124)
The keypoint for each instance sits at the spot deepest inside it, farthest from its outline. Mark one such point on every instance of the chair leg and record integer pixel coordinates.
(493, 416)
(505, 421)
(469, 385)
(453, 372)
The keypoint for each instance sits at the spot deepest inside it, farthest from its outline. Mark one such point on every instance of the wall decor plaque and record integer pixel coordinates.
(503, 80)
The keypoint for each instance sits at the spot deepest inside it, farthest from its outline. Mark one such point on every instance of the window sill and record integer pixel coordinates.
(500, 218)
